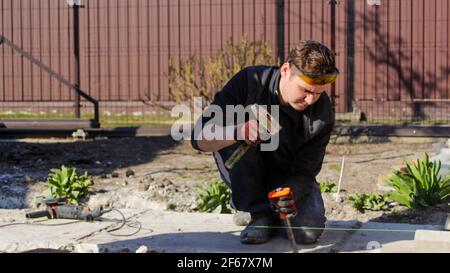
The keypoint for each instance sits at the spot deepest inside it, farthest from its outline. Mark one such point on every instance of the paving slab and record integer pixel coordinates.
(373, 236)
(39, 234)
(161, 231)
(416, 247)
(433, 235)
(172, 232)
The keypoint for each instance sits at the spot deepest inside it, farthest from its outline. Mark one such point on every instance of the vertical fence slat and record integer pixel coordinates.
(405, 52)
(393, 61)
(10, 56)
(341, 58)
(383, 44)
(143, 53)
(441, 48)
(429, 76)
(417, 45)
(2, 53)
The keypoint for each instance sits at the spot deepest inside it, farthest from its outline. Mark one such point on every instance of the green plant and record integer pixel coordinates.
(66, 183)
(214, 197)
(420, 186)
(374, 202)
(327, 187)
(203, 77)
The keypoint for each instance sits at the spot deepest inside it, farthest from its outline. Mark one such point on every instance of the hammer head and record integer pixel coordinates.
(265, 119)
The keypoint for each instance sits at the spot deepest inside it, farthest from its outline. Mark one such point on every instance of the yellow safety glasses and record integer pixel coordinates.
(314, 78)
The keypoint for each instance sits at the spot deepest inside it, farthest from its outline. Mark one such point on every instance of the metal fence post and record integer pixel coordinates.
(76, 53)
(333, 47)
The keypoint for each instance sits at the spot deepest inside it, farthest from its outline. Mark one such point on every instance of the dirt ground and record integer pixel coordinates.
(159, 173)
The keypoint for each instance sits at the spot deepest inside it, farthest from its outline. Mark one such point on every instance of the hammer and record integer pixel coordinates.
(266, 122)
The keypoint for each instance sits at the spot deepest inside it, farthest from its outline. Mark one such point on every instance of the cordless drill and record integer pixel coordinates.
(278, 195)
(59, 209)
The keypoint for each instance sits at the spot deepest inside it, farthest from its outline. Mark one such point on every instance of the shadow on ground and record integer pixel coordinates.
(25, 163)
(228, 241)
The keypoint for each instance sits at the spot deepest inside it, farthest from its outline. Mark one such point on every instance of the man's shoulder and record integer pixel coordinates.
(261, 73)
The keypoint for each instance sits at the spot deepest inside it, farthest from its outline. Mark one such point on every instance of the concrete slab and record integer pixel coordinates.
(161, 231)
(173, 232)
(416, 247)
(52, 234)
(374, 236)
(432, 235)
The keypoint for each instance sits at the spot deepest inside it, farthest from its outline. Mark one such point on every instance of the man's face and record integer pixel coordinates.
(297, 93)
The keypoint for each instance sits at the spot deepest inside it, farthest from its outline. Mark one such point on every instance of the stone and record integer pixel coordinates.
(142, 249)
(129, 173)
(241, 218)
(80, 133)
(115, 174)
(86, 248)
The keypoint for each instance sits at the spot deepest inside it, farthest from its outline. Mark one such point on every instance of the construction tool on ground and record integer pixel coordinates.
(266, 123)
(60, 209)
(280, 194)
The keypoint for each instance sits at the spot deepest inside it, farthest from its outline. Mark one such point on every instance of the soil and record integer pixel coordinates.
(159, 173)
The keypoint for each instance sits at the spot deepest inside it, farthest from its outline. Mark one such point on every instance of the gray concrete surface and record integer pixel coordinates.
(373, 236)
(432, 235)
(416, 247)
(163, 231)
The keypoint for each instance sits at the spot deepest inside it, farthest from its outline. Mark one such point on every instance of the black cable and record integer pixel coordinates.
(122, 221)
(37, 223)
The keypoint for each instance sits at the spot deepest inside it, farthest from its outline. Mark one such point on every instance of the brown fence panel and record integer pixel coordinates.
(401, 60)
(393, 57)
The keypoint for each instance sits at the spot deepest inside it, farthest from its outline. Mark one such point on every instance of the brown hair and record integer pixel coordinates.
(312, 56)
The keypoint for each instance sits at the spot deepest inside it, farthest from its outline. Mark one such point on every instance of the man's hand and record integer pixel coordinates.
(285, 205)
(249, 132)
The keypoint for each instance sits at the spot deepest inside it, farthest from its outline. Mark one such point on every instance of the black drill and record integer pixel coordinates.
(59, 209)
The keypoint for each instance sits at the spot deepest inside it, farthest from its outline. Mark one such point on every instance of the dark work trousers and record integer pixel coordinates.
(250, 181)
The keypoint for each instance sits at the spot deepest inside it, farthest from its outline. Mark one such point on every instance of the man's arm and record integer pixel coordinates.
(234, 93)
(248, 132)
(213, 145)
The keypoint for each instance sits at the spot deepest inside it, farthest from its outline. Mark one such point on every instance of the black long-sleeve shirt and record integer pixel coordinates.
(304, 134)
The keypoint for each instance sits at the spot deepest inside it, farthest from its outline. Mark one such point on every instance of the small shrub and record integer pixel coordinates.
(327, 187)
(66, 183)
(202, 77)
(215, 197)
(374, 202)
(420, 186)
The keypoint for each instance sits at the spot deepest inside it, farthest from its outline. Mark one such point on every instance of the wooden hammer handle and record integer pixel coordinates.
(237, 155)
